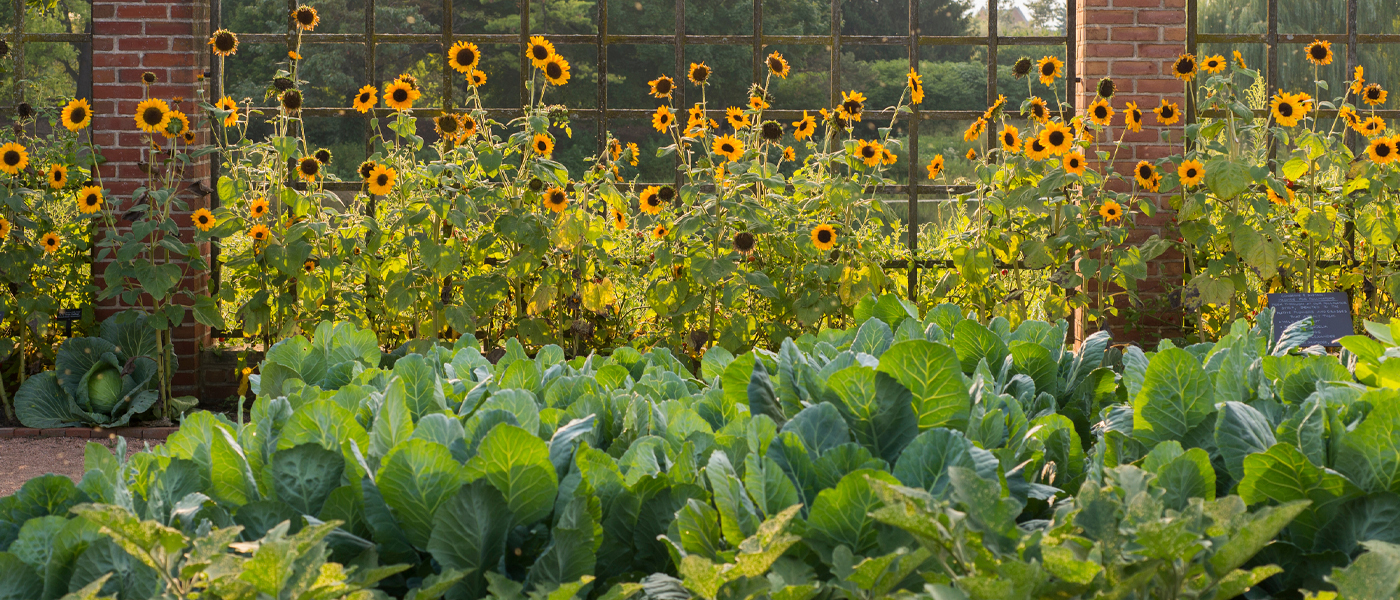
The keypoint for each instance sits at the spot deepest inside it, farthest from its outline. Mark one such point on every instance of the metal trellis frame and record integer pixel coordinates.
(679, 40)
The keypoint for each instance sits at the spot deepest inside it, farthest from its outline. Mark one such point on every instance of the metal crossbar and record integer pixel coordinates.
(679, 40)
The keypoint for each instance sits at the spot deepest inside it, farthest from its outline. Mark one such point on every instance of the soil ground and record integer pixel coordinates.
(22, 459)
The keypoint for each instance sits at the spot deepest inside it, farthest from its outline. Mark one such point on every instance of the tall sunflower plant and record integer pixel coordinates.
(148, 245)
(1312, 213)
(50, 201)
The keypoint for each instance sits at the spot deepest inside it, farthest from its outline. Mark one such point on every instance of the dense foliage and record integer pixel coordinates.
(977, 459)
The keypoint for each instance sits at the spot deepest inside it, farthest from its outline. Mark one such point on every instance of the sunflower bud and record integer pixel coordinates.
(536, 184)
(697, 339)
(743, 242)
(1107, 88)
(148, 78)
(667, 193)
(282, 84)
(25, 110)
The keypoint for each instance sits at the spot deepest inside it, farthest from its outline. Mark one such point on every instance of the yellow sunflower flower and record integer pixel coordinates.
(257, 208)
(1184, 68)
(555, 199)
(539, 50)
(1074, 163)
(152, 115)
(49, 242)
(1057, 138)
(699, 73)
(1010, 139)
(663, 118)
(728, 146)
(77, 115)
(13, 158)
(1100, 112)
(1145, 174)
(260, 233)
(1213, 64)
(935, 166)
(869, 152)
(542, 145)
(777, 65)
(1049, 68)
(916, 87)
(1132, 117)
(203, 219)
(662, 86)
(1191, 172)
(1381, 150)
(89, 199)
(463, 57)
(58, 176)
(227, 104)
(804, 127)
(381, 180)
(1374, 95)
(824, 236)
(400, 95)
(1287, 109)
(556, 70)
(1111, 211)
(1319, 52)
(1167, 113)
(650, 202)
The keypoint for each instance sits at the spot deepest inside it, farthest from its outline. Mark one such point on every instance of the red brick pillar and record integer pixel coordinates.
(1135, 42)
(166, 38)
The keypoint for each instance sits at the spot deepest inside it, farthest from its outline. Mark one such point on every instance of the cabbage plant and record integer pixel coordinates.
(102, 381)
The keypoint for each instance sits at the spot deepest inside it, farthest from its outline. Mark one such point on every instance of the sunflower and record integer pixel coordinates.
(804, 127)
(824, 236)
(771, 131)
(974, 130)
(728, 146)
(1074, 163)
(1286, 109)
(294, 55)
(699, 73)
(308, 168)
(1035, 149)
(1038, 110)
(661, 87)
(1057, 138)
(1132, 117)
(399, 95)
(659, 232)
(757, 103)
(555, 199)
(542, 145)
(77, 115)
(1111, 211)
(466, 127)
(1358, 80)
(663, 118)
(736, 118)
(49, 242)
(1320, 53)
(650, 202)
(381, 180)
(58, 176)
(1213, 64)
(13, 158)
(1372, 127)
(224, 42)
(1049, 68)
(365, 169)
(152, 115)
(259, 233)
(89, 199)
(539, 51)
(1184, 68)
(203, 219)
(188, 136)
(476, 78)
(1106, 88)
(1191, 172)
(463, 56)
(777, 65)
(177, 125)
(1349, 116)
(1021, 67)
(634, 153)
(1374, 94)
(1145, 174)
(1010, 139)
(309, 266)
(619, 219)
(972, 154)
(227, 104)
(869, 152)
(447, 127)
(1100, 112)
(789, 154)
(852, 105)
(1167, 113)
(916, 87)
(258, 208)
(556, 70)
(935, 166)
(306, 17)
(365, 99)
(322, 155)
(4, 228)
(1381, 150)
(148, 78)
(1277, 199)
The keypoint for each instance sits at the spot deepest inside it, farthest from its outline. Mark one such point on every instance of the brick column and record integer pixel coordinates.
(1135, 42)
(166, 38)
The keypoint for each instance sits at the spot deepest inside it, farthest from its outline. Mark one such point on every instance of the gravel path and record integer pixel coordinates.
(22, 459)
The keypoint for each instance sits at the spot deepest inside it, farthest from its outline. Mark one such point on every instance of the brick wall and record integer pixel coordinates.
(1135, 42)
(167, 38)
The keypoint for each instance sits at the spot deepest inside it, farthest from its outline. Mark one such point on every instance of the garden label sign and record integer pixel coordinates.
(1331, 313)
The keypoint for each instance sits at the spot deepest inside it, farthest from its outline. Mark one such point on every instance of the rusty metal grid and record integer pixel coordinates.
(678, 40)
(18, 38)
